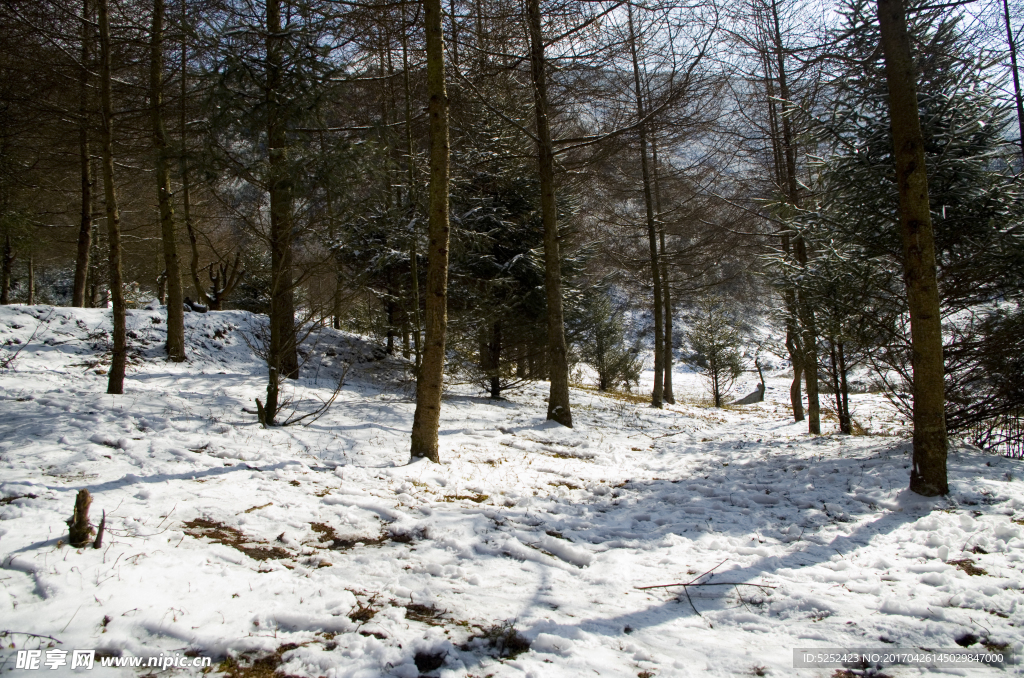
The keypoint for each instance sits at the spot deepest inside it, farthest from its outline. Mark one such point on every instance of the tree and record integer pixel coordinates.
(558, 355)
(85, 159)
(119, 351)
(602, 345)
(172, 270)
(429, 380)
(928, 476)
(716, 346)
(657, 393)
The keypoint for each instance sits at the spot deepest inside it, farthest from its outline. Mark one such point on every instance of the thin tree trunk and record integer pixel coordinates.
(85, 223)
(412, 196)
(31, 280)
(494, 359)
(5, 274)
(809, 352)
(172, 269)
(186, 192)
(788, 295)
(928, 476)
(657, 395)
(557, 353)
(119, 352)
(1016, 76)
(430, 378)
(668, 395)
(844, 390)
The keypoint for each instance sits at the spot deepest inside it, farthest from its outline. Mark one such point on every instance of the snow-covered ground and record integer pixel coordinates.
(322, 551)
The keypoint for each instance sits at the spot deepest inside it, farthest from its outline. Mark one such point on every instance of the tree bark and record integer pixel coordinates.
(119, 352)
(928, 476)
(172, 268)
(557, 353)
(85, 223)
(669, 396)
(430, 378)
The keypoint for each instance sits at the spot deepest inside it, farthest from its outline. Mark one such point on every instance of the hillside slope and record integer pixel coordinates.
(322, 551)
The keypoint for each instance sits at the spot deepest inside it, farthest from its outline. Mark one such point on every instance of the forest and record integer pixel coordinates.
(410, 256)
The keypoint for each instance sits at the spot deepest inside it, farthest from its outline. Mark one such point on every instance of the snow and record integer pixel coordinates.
(323, 546)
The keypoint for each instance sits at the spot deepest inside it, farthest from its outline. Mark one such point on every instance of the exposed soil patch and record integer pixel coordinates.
(249, 666)
(428, 614)
(968, 566)
(478, 498)
(219, 533)
(8, 500)
(329, 537)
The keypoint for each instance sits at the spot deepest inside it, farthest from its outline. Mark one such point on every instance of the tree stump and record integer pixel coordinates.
(80, 531)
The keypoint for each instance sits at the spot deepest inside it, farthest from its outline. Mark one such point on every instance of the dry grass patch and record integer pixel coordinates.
(219, 533)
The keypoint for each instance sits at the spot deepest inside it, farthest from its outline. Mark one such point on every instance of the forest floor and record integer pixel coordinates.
(320, 550)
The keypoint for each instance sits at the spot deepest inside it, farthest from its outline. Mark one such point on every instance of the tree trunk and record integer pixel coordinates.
(412, 196)
(557, 353)
(282, 356)
(494, 359)
(657, 395)
(430, 379)
(928, 476)
(844, 390)
(669, 396)
(795, 387)
(31, 280)
(119, 352)
(186, 188)
(789, 294)
(172, 269)
(808, 353)
(85, 223)
(5, 271)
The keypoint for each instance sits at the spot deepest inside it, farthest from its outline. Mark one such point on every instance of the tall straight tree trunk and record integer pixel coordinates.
(657, 395)
(1012, 44)
(172, 268)
(667, 360)
(281, 358)
(282, 314)
(789, 294)
(5, 271)
(412, 195)
(186, 188)
(928, 476)
(557, 353)
(119, 353)
(430, 378)
(85, 223)
(808, 334)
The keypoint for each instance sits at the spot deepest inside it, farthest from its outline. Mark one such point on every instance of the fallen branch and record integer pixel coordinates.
(5, 632)
(694, 582)
(707, 583)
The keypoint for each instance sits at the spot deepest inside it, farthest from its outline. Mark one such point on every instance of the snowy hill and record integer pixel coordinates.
(321, 551)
